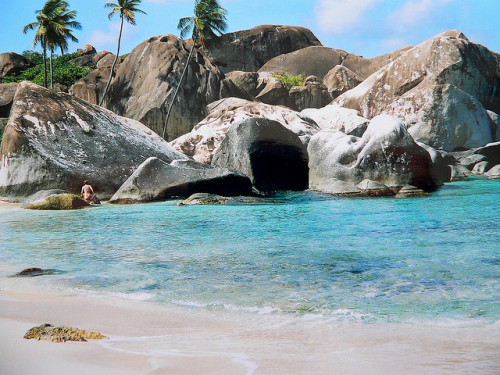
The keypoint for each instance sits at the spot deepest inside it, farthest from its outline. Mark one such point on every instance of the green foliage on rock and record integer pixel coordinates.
(59, 202)
(289, 80)
(65, 72)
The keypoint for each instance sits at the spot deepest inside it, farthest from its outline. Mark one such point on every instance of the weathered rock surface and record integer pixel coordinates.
(156, 180)
(481, 167)
(145, 83)
(495, 124)
(459, 173)
(91, 87)
(54, 199)
(12, 63)
(340, 79)
(271, 155)
(206, 137)
(386, 153)
(48, 332)
(312, 94)
(54, 140)
(371, 188)
(429, 86)
(249, 50)
(245, 80)
(491, 151)
(335, 117)
(493, 172)
(7, 91)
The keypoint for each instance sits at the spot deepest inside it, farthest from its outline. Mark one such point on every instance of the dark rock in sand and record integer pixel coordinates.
(48, 332)
(35, 271)
(156, 180)
(55, 141)
(271, 155)
(249, 50)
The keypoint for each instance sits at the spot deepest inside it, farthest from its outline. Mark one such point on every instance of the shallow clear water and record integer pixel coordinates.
(381, 259)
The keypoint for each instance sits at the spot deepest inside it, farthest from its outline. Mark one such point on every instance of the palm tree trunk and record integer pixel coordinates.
(177, 90)
(114, 63)
(44, 66)
(51, 70)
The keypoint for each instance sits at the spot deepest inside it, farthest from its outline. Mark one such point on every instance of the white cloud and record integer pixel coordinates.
(107, 40)
(339, 15)
(414, 12)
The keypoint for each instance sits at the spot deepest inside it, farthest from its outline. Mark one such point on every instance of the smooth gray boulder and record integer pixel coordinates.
(340, 79)
(410, 191)
(271, 155)
(386, 153)
(493, 172)
(491, 151)
(206, 137)
(54, 140)
(470, 161)
(481, 167)
(144, 85)
(156, 180)
(459, 173)
(335, 117)
(371, 188)
(248, 50)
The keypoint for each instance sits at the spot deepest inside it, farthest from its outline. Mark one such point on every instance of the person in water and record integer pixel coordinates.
(87, 191)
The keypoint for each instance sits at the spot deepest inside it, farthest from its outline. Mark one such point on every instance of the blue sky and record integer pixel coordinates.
(364, 27)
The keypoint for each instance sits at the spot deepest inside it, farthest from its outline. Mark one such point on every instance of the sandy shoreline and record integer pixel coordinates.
(153, 339)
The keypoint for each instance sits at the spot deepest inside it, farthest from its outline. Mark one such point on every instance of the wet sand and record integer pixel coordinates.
(151, 339)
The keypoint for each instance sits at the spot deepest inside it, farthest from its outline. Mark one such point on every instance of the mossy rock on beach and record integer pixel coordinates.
(54, 200)
(61, 334)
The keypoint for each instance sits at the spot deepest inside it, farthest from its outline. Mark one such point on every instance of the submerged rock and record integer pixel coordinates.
(271, 155)
(410, 191)
(48, 332)
(156, 180)
(55, 141)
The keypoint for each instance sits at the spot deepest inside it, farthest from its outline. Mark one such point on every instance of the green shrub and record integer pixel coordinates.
(289, 80)
(65, 72)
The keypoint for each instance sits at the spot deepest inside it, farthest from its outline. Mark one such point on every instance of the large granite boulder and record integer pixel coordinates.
(146, 81)
(312, 94)
(7, 91)
(206, 137)
(245, 80)
(12, 63)
(156, 180)
(491, 151)
(386, 153)
(271, 155)
(428, 87)
(54, 140)
(91, 87)
(340, 79)
(54, 199)
(248, 50)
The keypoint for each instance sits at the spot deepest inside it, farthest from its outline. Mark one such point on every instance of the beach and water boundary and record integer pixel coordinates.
(341, 298)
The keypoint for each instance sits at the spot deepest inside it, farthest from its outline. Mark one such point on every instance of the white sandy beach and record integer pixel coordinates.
(152, 339)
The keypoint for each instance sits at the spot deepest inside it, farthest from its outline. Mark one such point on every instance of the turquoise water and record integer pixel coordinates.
(304, 254)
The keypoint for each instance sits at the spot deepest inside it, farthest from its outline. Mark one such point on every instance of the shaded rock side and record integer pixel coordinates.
(271, 155)
(146, 81)
(206, 137)
(7, 91)
(249, 50)
(91, 87)
(386, 153)
(12, 63)
(54, 140)
(156, 180)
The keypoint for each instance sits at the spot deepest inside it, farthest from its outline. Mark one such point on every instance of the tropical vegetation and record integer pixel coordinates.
(53, 25)
(209, 20)
(127, 10)
(64, 72)
(289, 80)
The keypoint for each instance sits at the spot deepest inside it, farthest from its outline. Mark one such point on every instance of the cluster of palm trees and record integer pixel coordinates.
(54, 24)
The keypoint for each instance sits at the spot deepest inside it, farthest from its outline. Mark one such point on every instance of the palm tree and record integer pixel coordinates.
(52, 26)
(127, 10)
(209, 19)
